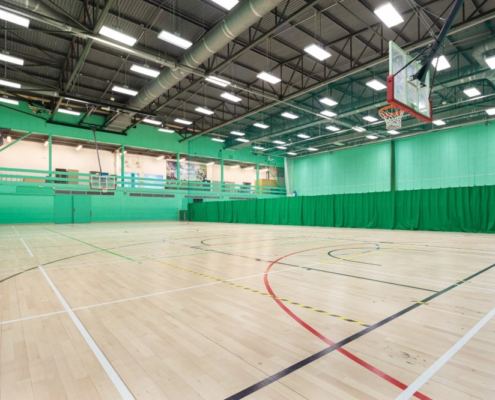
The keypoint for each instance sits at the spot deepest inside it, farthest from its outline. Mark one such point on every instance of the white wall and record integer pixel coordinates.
(29, 155)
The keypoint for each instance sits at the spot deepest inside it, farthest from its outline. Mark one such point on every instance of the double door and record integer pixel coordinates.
(72, 209)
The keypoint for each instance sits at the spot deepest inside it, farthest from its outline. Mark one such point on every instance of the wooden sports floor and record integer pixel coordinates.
(171, 310)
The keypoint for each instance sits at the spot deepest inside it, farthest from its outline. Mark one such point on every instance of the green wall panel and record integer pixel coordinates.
(15, 208)
(357, 170)
(469, 209)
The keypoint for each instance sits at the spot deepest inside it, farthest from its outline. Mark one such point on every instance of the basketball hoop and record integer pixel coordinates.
(103, 183)
(392, 116)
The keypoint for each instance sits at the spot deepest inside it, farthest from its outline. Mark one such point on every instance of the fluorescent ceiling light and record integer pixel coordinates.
(393, 132)
(372, 137)
(312, 149)
(235, 166)
(439, 122)
(151, 121)
(67, 111)
(160, 157)
(248, 168)
(328, 102)
(291, 153)
(9, 139)
(10, 84)
(339, 144)
(442, 63)
(46, 143)
(326, 113)
(472, 92)
(79, 147)
(242, 140)
(14, 18)
(183, 121)
(369, 118)
(260, 125)
(182, 160)
(490, 111)
(217, 140)
(118, 36)
(11, 59)
(204, 110)
(9, 101)
(282, 147)
(317, 52)
(166, 130)
(258, 148)
(237, 133)
(227, 4)
(266, 76)
(174, 39)
(490, 61)
(278, 142)
(289, 115)
(376, 84)
(231, 97)
(145, 70)
(389, 15)
(303, 136)
(332, 128)
(124, 90)
(358, 129)
(217, 81)
(211, 163)
(76, 100)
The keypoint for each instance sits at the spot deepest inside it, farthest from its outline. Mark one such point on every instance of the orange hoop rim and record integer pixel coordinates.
(384, 113)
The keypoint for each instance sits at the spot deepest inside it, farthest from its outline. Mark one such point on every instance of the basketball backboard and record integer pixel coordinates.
(409, 95)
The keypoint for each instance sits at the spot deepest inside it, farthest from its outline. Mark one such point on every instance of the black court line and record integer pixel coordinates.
(279, 375)
(368, 279)
(344, 259)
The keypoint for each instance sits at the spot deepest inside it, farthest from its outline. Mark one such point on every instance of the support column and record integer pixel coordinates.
(178, 167)
(257, 183)
(122, 165)
(221, 171)
(50, 154)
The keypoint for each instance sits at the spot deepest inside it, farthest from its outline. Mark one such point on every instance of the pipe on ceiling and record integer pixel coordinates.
(38, 7)
(481, 49)
(245, 14)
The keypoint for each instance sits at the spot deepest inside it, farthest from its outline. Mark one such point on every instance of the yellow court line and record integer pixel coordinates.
(264, 294)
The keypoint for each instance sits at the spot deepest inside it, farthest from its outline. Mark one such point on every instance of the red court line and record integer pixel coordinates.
(346, 353)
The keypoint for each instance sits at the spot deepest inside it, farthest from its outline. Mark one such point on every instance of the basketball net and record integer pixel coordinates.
(392, 116)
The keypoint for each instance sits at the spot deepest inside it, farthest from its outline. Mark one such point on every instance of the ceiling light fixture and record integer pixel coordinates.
(317, 52)
(237, 133)
(358, 129)
(472, 92)
(227, 4)
(327, 114)
(372, 137)
(290, 153)
(258, 148)
(76, 100)
(79, 147)
(389, 15)
(266, 76)
(14, 18)
(376, 84)
(217, 81)
(332, 128)
(282, 147)
(289, 115)
(46, 143)
(328, 102)
(490, 111)
(117, 35)
(369, 118)
(10, 59)
(217, 140)
(278, 142)
(303, 136)
(183, 121)
(160, 157)
(10, 84)
(393, 132)
(490, 61)
(124, 90)
(204, 110)
(439, 122)
(312, 149)
(235, 166)
(242, 140)
(151, 121)
(260, 125)
(231, 97)
(68, 111)
(145, 70)
(442, 63)
(166, 130)
(9, 139)
(211, 163)
(9, 101)
(174, 39)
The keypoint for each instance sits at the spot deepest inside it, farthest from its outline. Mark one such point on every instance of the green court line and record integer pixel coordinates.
(91, 245)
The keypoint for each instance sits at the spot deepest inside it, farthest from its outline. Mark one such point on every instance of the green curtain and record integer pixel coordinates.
(465, 209)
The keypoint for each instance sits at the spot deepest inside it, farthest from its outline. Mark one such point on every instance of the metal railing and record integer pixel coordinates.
(82, 180)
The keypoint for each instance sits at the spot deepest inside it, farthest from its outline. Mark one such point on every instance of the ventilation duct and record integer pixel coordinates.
(245, 14)
(38, 7)
(480, 50)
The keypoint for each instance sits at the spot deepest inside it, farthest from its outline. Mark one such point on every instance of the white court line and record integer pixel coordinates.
(418, 383)
(33, 317)
(26, 246)
(112, 374)
(15, 230)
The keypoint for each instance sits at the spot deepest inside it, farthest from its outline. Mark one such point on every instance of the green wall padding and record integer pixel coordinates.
(469, 209)
(357, 170)
(19, 208)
